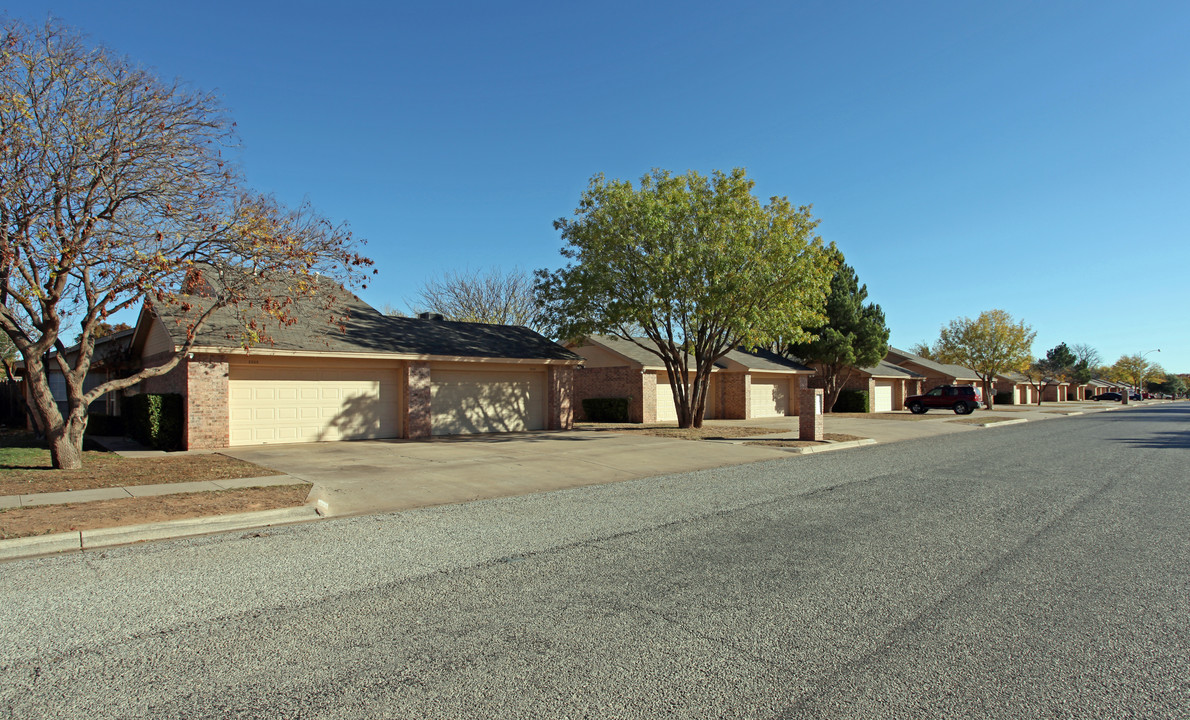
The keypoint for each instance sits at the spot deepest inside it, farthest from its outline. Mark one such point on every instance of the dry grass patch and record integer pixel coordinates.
(883, 416)
(25, 469)
(47, 519)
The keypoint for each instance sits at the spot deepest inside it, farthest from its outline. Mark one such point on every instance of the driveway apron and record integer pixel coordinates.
(370, 476)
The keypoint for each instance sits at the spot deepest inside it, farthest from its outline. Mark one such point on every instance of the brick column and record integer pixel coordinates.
(648, 399)
(736, 394)
(798, 385)
(560, 382)
(810, 419)
(208, 410)
(415, 389)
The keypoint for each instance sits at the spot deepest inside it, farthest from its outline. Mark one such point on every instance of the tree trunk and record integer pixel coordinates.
(698, 403)
(831, 396)
(64, 435)
(66, 447)
(987, 393)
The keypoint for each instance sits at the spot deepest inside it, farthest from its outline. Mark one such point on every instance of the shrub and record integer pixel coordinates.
(1003, 397)
(613, 410)
(154, 420)
(100, 424)
(852, 401)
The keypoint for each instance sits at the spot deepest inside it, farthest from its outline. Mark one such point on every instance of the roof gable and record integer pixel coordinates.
(749, 360)
(898, 357)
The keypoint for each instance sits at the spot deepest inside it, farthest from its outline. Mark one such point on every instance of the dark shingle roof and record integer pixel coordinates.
(885, 369)
(761, 359)
(366, 330)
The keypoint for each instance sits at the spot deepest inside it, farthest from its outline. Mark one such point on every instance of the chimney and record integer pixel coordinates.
(430, 316)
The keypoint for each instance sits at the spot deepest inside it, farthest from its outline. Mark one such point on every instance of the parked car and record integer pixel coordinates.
(960, 398)
(1113, 396)
(1134, 396)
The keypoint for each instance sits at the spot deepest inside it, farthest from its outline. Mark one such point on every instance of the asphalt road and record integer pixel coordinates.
(1033, 571)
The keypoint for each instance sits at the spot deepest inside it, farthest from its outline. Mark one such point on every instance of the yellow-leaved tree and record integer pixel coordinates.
(991, 344)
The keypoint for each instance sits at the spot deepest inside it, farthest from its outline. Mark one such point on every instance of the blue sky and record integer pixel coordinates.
(1033, 157)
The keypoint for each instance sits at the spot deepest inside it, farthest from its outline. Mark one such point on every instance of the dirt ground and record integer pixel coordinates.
(25, 470)
(47, 519)
(718, 432)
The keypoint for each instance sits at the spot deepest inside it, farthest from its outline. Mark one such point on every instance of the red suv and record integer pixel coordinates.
(960, 398)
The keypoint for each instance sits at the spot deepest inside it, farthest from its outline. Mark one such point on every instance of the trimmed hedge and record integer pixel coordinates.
(855, 401)
(154, 420)
(613, 410)
(107, 425)
(1003, 397)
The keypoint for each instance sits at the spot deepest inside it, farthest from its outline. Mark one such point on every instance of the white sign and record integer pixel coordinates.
(817, 404)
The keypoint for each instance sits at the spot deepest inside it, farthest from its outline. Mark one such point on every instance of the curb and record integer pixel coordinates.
(83, 540)
(811, 449)
(998, 423)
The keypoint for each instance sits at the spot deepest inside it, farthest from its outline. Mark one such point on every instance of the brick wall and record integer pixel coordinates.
(560, 379)
(416, 418)
(173, 381)
(207, 412)
(608, 382)
(736, 396)
(648, 398)
(203, 384)
(1055, 393)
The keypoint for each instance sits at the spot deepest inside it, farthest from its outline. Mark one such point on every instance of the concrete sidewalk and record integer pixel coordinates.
(118, 493)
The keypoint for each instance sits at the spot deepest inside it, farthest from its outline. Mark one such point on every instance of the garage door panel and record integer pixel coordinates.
(465, 403)
(883, 402)
(770, 398)
(279, 404)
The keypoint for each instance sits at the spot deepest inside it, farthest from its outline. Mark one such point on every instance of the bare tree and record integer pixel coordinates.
(922, 350)
(483, 296)
(113, 189)
(1086, 356)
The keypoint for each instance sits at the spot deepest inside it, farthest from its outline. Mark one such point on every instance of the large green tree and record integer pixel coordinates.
(687, 267)
(1173, 385)
(1059, 365)
(854, 335)
(113, 190)
(991, 344)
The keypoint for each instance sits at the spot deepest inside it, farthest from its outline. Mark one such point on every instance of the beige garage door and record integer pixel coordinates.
(667, 410)
(310, 404)
(770, 398)
(883, 402)
(466, 402)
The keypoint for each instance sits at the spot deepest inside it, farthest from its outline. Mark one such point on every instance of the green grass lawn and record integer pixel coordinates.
(23, 457)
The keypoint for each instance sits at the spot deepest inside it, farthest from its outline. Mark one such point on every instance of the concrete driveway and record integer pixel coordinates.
(371, 476)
